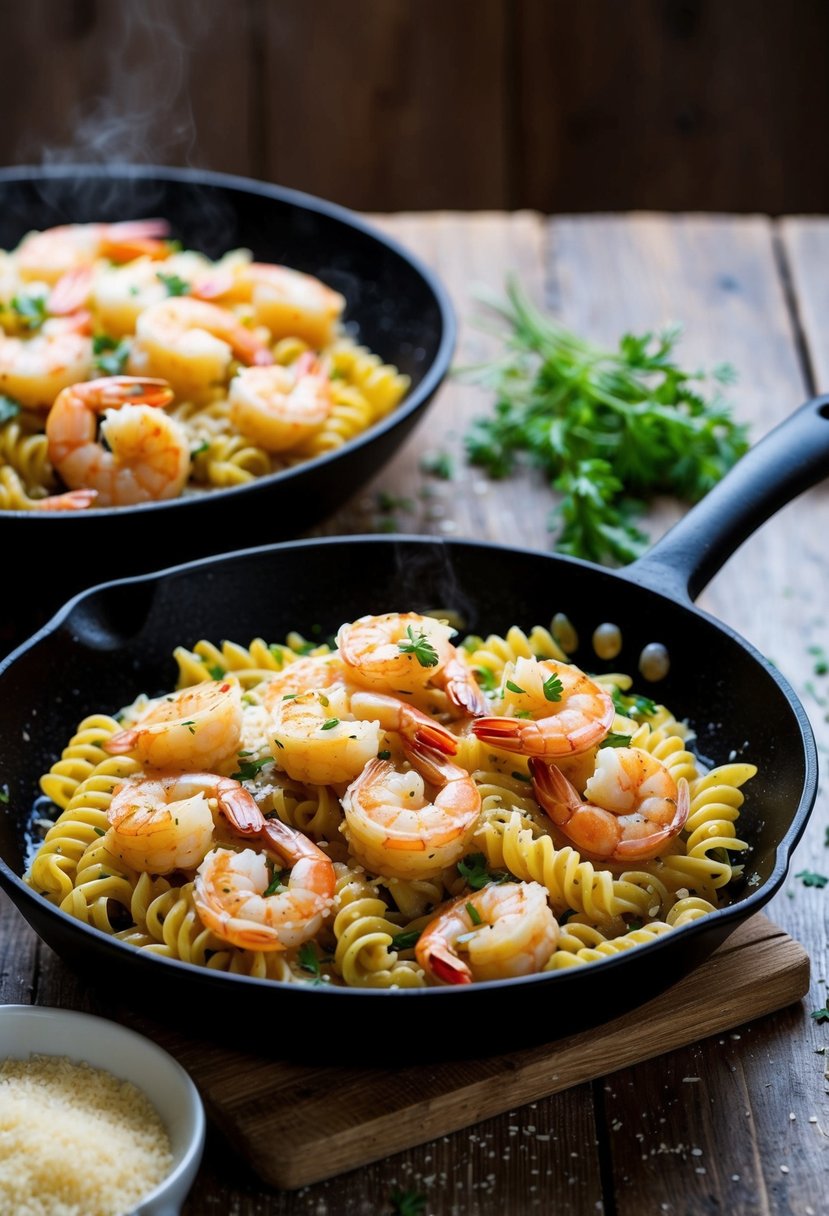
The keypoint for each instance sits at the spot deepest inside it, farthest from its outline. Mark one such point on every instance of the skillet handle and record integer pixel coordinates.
(783, 464)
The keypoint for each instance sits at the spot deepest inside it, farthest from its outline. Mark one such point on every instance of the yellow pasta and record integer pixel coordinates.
(261, 373)
(408, 911)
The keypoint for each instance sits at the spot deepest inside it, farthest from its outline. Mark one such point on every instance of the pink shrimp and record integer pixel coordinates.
(231, 892)
(147, 454)
(631, 810)
(164, 823)
(49, 254)
(504, 930)
(554, 710)
(395, 828)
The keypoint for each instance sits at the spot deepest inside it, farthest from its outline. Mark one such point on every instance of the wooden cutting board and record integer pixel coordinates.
(297, 1124)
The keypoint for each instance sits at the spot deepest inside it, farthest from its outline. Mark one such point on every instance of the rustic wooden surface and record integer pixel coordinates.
(552, 104)
(738, 1121)
(294, 1127)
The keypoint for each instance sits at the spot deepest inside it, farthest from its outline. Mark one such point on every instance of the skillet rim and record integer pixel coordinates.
(413, 403)
(716, 925)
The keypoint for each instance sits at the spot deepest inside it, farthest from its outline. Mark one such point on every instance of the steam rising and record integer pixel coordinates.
(142, 114)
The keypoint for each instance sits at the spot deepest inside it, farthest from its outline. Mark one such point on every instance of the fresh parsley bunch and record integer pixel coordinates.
(611, 428)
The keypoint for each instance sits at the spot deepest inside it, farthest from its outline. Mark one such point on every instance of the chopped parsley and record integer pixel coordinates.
(821, 667)
(310, 961)
(553, 688)
(9, 408)
(249, 768)
(405, 941)
(216, 671)
(616, 740)
(110, 354)
(438, 464)
(408, 1203)
(276, 884)
(820, 1015)
(420, 646)
(610, 427)
(632, 705)
(30, 310)
(4, 795)
(486, 677)
(175, 285)
(516, 688)
(811, 879)
(473, 869)
(330, 724)
(474, 914)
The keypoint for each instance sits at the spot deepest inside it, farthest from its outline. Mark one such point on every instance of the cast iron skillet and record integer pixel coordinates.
(395, 306)
(116, 640)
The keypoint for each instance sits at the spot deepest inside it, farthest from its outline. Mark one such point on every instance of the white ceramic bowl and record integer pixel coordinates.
(84, 1038)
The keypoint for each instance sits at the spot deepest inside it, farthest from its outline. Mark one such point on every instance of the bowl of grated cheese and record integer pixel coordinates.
(95, 1119)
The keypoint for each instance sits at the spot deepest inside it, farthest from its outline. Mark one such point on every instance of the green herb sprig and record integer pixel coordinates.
(610, 428)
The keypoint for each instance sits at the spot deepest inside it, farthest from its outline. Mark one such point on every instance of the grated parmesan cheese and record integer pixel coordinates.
(75, 1140)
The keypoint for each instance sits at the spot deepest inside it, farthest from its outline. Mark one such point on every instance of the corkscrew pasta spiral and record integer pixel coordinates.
(370, 926)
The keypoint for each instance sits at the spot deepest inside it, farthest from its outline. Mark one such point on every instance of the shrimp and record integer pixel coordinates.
(230, 892)
(198, 727)
(396, 829)
(505, 930)
(165, 823)
(315, 737)
(278, 407)
(191, 343)
(407, 652)
(553, 710)
(290, 303)
(303, 675)
(35, 370)
(632, 806)
(48, 254)
(147, 454)
(117, 295)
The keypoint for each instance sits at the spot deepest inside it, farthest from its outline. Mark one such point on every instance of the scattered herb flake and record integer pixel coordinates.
(408, 1203)
(438, 464)
(811, 879)
(9, 408)
(31, 310)
(553, 688)
(615, 740)
(420, 646)
(174, 284)
(820, 1015)
(516, 688)
(473, 869)
(330, 724)
(110, 354)
(405, 941)
(474, 914)
(249, 768)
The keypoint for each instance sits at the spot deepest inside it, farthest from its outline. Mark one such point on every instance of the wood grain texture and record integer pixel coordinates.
(144, 82)
(375, 105)
(297, 1124)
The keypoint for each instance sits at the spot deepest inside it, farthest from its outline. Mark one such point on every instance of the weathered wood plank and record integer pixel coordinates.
(419, 111)
(473, 253)
(719, 277)
(643, 105)
(148, 83)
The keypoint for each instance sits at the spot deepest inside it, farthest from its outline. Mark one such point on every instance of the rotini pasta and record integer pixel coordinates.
(388, 809)
(257, 370)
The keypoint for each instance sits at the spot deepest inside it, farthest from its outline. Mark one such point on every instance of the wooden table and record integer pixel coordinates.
(739, 1121)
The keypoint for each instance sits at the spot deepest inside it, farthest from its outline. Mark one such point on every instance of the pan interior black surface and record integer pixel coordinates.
(118, 641)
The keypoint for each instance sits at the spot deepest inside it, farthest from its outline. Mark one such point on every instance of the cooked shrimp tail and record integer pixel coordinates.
(72, 500)
(631, 809)
(400, 717)
(463, 689)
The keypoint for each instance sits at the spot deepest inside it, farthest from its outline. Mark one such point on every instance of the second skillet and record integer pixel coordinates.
(116, 640)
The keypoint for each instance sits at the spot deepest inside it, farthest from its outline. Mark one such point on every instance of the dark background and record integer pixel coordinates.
(385, 105)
